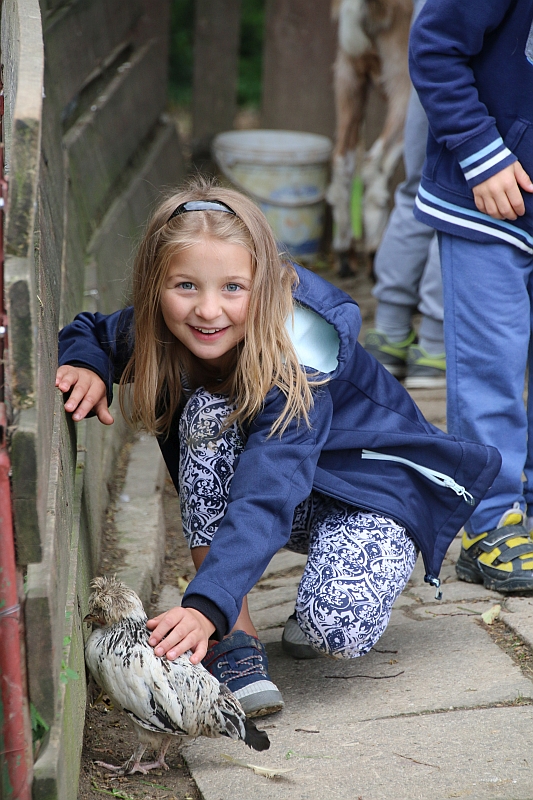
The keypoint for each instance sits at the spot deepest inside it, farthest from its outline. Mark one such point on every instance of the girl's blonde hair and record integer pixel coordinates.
(265, 358)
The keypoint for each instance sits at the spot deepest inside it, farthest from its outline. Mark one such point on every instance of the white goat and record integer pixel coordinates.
(372, 47)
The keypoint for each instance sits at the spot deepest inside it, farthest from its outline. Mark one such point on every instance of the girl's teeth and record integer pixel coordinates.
(204, 330)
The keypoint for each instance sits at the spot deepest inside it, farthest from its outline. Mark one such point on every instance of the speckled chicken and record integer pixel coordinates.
(161, 698)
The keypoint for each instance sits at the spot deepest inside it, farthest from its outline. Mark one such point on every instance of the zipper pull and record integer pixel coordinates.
(436, 583)
(459, 490)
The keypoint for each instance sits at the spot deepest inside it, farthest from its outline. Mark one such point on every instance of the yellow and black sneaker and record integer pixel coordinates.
(500, 559)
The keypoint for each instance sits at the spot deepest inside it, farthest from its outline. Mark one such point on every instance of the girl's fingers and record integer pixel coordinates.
(88, 392)
(190, 642)
(88, 402)
(179, 630)
(102, 412)
(198, 652)
(65, 378)
(175, 637)
(163, 624)
(78, 394)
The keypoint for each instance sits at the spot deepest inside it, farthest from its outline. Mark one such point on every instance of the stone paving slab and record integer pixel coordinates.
(518, 615)
(272, 617)
(416, 667)
(139, 518)
(478, 754)
(371, 709)
(260, 599)
(284, 562)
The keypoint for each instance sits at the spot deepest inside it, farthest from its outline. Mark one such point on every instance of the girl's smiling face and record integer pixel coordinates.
(205, 298)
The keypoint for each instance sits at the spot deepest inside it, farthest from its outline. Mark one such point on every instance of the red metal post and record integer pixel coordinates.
(15, 782)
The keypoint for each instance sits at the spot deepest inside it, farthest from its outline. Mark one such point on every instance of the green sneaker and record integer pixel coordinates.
(423, 370)
(502, 558)
(392, 355)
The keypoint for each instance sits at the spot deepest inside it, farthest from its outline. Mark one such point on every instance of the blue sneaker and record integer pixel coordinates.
(240, 661)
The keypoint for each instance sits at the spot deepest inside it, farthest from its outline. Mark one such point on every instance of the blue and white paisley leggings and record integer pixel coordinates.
(358, 562)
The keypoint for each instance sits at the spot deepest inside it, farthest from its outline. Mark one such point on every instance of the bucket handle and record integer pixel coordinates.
(281, 204)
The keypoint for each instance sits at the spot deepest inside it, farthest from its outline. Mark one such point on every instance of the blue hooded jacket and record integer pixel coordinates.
(368, 445)
(471, 62)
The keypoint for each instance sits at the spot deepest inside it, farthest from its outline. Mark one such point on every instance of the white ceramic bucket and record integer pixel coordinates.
(286, 173)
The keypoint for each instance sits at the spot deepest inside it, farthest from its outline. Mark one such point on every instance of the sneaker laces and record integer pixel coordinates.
(252, 668)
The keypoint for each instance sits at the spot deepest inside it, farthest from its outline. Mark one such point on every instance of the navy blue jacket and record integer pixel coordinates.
(471, 62)
(362, 408)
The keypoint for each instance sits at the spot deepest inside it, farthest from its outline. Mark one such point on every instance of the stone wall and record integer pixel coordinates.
(88, 151)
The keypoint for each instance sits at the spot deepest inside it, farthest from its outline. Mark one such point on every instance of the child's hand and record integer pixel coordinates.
(89, 392)
(500, 196)
(179, 630)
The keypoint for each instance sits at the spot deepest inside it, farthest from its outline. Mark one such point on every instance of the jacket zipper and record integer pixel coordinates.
(436, 477)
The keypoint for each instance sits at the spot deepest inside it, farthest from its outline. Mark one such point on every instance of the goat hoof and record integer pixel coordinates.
(345, 269)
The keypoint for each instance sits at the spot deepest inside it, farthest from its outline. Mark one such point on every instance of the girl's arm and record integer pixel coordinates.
(93, 352)
(272, 477)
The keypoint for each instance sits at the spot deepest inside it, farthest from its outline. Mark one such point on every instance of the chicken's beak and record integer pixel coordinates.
(92, 618)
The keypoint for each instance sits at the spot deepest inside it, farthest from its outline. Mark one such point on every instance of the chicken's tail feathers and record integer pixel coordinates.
(254, 738)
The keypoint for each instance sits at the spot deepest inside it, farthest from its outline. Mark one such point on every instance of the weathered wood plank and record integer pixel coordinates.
(73, 267)
(20, 304)
(215, 74)
(22, 55)
(47, 581)
(24, 463)
(101, 27)
(59, 533)
(24, 61)
(104, 139)
(299, 51)
(112, 249)
(155, 24)
(56, 771)
(48, 7)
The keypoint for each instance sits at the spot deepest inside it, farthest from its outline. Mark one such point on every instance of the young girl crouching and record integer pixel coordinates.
(278, 430)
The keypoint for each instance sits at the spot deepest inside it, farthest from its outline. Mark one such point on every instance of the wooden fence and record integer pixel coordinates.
(87, 153)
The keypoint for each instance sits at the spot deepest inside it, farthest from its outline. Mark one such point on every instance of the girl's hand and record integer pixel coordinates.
(89, 392)
(179, 630)
(500, 196)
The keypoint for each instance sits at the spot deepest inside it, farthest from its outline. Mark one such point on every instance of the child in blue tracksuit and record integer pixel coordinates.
(278, 430)
(471, 63)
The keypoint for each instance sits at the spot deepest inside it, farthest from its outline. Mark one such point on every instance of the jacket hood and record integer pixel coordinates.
(325, 325)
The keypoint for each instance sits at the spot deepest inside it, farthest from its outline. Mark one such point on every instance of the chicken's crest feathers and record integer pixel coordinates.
(112, 601)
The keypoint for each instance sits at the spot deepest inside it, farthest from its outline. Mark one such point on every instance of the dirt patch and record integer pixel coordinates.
(108, 737)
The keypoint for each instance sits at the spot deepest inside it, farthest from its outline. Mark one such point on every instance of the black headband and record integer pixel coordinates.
(201, 205)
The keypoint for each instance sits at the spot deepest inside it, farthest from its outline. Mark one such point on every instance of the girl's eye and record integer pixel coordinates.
(232, 287)
(187, 285)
